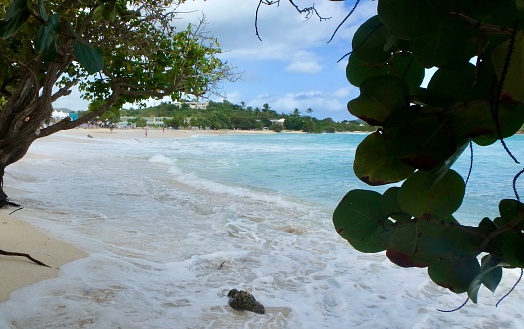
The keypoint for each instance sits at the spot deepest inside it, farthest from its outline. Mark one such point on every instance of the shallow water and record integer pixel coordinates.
(172, 225)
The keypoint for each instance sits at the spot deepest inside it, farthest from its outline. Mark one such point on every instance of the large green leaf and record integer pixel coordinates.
(358, 219)
(369, 41)
(476, 119)
(15, 16)
(89, 57)
(509, 246)
(422, 141)
(408, 19)
(419, 243)
(455, 273)
(439, 171)
(500, 12)
(449, 40)
(46, 40)
(454, 80)
(441, 201)
(490, 275)
(358, 71)
(375, 164)
(379, 96)
(514, 80)
(509, 210)
(389, 206)
(404, 66)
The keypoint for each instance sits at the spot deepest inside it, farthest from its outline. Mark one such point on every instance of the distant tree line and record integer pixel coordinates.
(226, 115)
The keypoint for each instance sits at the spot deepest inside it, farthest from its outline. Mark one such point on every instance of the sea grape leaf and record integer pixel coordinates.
(418, 16)
(484, 140)
(440, 201)
(423, 96)
(379, 96)
(449, 40)
(509, 246)
(375, 164)
(509, 209)
(477, 119)
(406, 68)
(423, 141)
(454, 273)
(500, 12)
(358, 218)
(419, 243)
(15, 16)
(485, 83)
(369, 40)
(486, 225)
(514, 80)
(490, 275)
(453, 80)
(389, 205)
(89, 57)
(358, 71)
(439, 171)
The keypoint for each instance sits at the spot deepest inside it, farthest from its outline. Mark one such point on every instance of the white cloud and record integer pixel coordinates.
(304, 67)
(323, 104)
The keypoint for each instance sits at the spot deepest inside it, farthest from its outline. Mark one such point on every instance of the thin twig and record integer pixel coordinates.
(512, 288)
(456, 309)
(470, 161)
(15, 210)
(343, 21)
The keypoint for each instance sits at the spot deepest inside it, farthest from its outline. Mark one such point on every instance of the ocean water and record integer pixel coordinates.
(172, 225)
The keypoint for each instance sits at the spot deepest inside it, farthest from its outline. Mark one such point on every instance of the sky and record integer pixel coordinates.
(292, 67)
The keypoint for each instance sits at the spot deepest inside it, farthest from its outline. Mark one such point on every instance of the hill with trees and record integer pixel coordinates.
(226, 115)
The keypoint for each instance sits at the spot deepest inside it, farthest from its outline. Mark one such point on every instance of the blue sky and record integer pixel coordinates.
(293, 67)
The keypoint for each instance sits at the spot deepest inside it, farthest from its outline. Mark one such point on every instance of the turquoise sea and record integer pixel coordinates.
(172, 224)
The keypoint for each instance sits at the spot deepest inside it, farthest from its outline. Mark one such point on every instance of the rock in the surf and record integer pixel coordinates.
(243, 300)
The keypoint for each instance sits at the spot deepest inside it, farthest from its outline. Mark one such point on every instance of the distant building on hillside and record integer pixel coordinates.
(193, 105)
(278, 121)
(150, 121)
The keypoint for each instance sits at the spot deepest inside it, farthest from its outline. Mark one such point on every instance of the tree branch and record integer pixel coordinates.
(10, 253)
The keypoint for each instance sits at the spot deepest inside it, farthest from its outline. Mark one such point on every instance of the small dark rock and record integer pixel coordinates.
(89, 136)
(243, 300)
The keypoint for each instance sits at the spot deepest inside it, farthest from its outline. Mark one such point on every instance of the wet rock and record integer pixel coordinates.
(243, 300)
(89, 136)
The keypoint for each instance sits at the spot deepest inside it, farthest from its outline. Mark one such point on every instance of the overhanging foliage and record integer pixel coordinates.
(114, 51)
(475, 96)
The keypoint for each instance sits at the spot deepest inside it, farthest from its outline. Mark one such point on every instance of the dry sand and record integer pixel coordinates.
(17, 235)
(140, 133)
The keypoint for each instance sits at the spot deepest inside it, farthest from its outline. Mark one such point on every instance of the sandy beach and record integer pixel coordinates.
(156, 133)
(17, 235)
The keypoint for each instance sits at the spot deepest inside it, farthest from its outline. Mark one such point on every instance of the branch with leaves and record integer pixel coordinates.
(424, 130)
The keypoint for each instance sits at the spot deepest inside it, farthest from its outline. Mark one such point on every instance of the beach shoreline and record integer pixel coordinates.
(17, 235)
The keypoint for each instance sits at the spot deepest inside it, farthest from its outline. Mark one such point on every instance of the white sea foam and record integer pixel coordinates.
(168, 238)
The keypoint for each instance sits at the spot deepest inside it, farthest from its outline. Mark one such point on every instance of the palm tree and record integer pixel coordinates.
(296, 112)
(309, 111)
(266, 107)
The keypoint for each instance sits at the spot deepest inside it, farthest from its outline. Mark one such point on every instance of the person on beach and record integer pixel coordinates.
(146, 131)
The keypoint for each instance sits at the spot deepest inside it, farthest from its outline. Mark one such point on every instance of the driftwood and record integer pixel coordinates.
(20, 254)
(10, 253)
